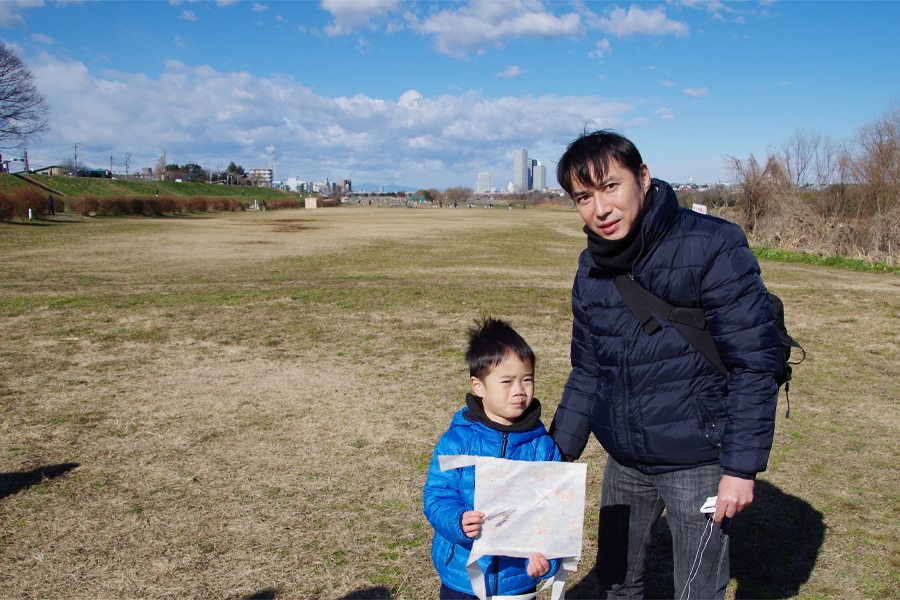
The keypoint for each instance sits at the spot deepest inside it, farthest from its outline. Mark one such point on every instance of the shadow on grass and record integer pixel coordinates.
(13, 483)
(774, 545)
(372, 593)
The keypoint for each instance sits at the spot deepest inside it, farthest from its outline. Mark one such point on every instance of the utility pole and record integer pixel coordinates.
(26, 161)
(127, 161)
(75, 145)
(110, 166)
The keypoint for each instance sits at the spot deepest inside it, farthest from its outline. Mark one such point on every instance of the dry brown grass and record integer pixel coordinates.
(252, 400)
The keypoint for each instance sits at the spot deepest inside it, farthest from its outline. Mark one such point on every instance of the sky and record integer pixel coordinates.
(429, 94)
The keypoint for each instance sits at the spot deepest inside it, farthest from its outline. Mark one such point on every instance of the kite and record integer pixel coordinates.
(528, 506)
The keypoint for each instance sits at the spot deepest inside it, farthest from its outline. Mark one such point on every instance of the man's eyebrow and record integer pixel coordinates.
(578, 189)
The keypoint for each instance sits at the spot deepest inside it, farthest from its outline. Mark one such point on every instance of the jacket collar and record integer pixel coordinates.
(527, 422)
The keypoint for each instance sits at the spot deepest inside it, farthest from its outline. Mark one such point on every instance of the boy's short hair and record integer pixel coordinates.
(490, 342)
(587, 158)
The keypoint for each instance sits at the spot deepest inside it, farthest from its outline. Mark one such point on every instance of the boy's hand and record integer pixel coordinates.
(471, 522)
(538, 566)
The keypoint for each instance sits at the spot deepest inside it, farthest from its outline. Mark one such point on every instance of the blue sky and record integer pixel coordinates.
(430, 94)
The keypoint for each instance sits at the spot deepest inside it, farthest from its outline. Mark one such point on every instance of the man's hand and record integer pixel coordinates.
(538, 566)
(735, 494)
(471, 522)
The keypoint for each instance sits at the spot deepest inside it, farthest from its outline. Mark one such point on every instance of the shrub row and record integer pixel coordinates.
(149, 205)
(15, 205)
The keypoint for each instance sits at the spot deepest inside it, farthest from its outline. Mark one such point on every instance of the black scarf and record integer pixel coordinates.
(526, 422)
(620, 254)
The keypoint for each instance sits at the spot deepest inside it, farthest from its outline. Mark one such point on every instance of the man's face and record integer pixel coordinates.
(611, 207)
(507, 391)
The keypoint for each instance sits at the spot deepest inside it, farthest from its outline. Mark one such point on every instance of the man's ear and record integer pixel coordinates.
(645, 177)
(477, 386)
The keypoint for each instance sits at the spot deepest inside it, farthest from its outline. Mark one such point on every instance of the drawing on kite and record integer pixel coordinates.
(539, 477)
(498, 482)
(570, 514)
(501, 513)
(537, 538)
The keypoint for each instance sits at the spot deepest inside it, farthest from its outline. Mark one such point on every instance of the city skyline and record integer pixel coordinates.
(429, 94)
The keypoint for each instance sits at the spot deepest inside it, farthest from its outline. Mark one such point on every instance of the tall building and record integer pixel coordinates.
(538, 176)
(484, 183)
(261, 177)
(521, 166)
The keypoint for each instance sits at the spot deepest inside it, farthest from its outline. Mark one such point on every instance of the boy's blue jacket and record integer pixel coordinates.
(449, 494)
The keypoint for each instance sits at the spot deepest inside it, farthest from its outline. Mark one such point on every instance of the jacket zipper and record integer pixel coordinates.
(504, 436)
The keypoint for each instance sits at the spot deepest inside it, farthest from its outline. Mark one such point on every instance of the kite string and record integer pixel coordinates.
(695, 567)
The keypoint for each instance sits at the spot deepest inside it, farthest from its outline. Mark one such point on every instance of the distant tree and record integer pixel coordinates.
(23, 111)
(195, 172)
(458, 194)
(233, 168)
(761, 186)
(69, 163)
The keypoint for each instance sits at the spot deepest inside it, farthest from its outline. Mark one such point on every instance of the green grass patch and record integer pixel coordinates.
(837, 262)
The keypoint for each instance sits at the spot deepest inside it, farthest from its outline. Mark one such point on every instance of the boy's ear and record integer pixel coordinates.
(477, 386)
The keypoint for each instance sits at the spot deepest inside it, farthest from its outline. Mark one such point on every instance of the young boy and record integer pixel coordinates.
(501, 419)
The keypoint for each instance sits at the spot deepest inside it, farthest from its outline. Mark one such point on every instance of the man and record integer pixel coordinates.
(676, 430)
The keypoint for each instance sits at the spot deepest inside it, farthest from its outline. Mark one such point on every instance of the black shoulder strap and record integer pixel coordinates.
(690, 322)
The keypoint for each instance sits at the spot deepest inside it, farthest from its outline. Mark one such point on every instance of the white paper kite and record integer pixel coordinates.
(528, 506)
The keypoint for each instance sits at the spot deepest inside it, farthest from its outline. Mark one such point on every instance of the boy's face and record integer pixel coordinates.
(507, 391)
(611, 207)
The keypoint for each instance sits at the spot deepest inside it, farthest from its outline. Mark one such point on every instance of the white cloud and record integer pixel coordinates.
(257, 7)
(11, 12)
(666, 83)
(696, 92)
(664, 114)
(511, 72)
(179, 41)
(42, 39)
(460, 30)
(636, 20)
(188, 15)
(603, 48)
(211, 117)
(350, 15)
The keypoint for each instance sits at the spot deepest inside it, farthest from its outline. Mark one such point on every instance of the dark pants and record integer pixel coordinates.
(632, 502)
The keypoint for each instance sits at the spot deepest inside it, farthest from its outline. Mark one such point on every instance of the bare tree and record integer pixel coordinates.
(23, 111)
(877, 166)
(760, 187)
(458, 194)
(798, 153)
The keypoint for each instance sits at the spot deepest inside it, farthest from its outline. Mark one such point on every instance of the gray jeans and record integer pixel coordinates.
(632, 502)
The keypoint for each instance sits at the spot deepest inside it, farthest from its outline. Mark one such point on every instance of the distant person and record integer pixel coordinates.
(50, 208)
(502, 419)
(675, 429)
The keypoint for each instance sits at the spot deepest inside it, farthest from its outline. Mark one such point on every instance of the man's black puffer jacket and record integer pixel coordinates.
(654, 402)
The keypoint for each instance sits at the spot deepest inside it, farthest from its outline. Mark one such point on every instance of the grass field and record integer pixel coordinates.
(243, 405)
